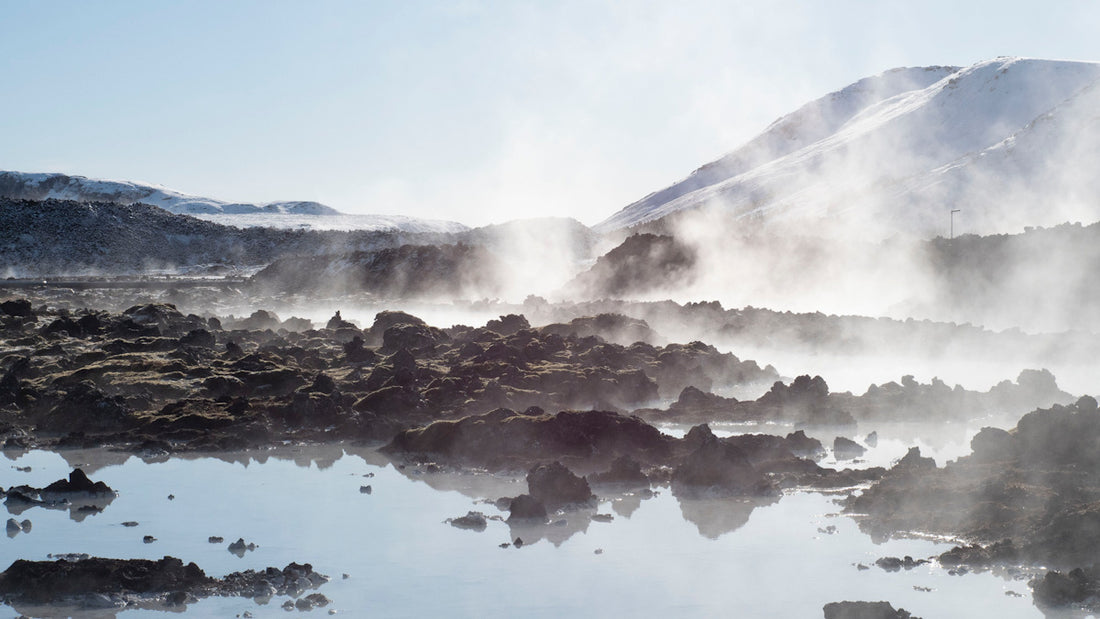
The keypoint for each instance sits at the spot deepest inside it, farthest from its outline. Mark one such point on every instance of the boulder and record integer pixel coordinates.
(199, 338)
(474, 521)
(847, 449)
(526, 508)
(1074, 588)
(20, 308)
(509, 324)
(503, 438)
(718, 468)
(864, 610)
(555, 486)
(337, 322)
(625, 472)
(78, 482)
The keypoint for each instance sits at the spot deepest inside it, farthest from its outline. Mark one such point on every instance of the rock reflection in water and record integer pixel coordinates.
(561, 527)
(714, 517)
(78, 508)
(626, 504)
(394, 542)
(476, 485)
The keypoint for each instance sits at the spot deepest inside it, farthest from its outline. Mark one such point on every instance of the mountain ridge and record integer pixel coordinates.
(282, 214)
(894, 147)
(45, 185)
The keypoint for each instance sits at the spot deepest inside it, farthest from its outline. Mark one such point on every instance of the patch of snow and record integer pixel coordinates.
(334, 222)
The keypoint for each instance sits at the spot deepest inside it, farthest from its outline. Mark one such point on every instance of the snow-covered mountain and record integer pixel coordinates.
(23, 186)
(294, 214)
(1010, 142)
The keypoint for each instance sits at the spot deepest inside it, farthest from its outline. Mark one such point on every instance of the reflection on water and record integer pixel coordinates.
(78, 508)
(657, 555)
(716, 517)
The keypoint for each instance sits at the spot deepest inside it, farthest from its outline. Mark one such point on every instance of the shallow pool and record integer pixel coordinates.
(657, 556)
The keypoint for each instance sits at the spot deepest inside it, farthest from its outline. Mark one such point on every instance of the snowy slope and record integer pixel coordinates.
(1041, 175)
(900, 151)
(20, 186)
(339, 221)
(308, 215)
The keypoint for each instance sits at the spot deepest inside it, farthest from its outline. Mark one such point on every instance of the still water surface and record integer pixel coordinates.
(657, 557)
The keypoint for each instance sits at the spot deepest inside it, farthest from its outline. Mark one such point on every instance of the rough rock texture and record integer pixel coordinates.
(526, 508)
(847, 449)
(556, 486)
(53, 581)
(78, 482)
(474, 521)
(1028, 485)
(641, 264)
(154, 373)
(625, 473)
(864, 610)
(808, 402)
(717, 468)
(1078, 588)
(80, 582)
(501, 437)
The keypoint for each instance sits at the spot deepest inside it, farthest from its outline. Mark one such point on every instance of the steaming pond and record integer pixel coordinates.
(657, 557)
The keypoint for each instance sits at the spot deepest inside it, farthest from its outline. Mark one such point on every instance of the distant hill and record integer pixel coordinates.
(1011, 142)
(291, 214)
(52, 237)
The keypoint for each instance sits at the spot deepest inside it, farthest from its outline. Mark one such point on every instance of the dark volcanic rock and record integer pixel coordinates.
(847, 449)
(78, 482)
(526, 508)
(642, 263)
(1079, 587)
(385, 319)
(615, 328)
(17, 307)
(392, 399)
(86, 408)
(508, 325)
(54, 581)
(198, 337)
(806, 401)
(717, 468)
(503, 437)
(337, 322)
(258, 321)
(625, 472)
(83, 581)
(804, 446)
(1028, 484)
(411, 337)
(1003, 552)
(556, 486)
(864, 610)
(474, 521)
(356, 353)
(893, 564)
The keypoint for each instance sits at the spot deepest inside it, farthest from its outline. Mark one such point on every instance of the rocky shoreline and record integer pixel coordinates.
(562, 404)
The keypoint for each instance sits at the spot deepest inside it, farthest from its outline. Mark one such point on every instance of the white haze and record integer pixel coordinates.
(826, 210)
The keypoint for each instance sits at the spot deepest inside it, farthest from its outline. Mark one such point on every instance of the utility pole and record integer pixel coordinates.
(953, 211)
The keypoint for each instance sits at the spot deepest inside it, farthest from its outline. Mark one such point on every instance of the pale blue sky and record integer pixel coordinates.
(474, 111)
